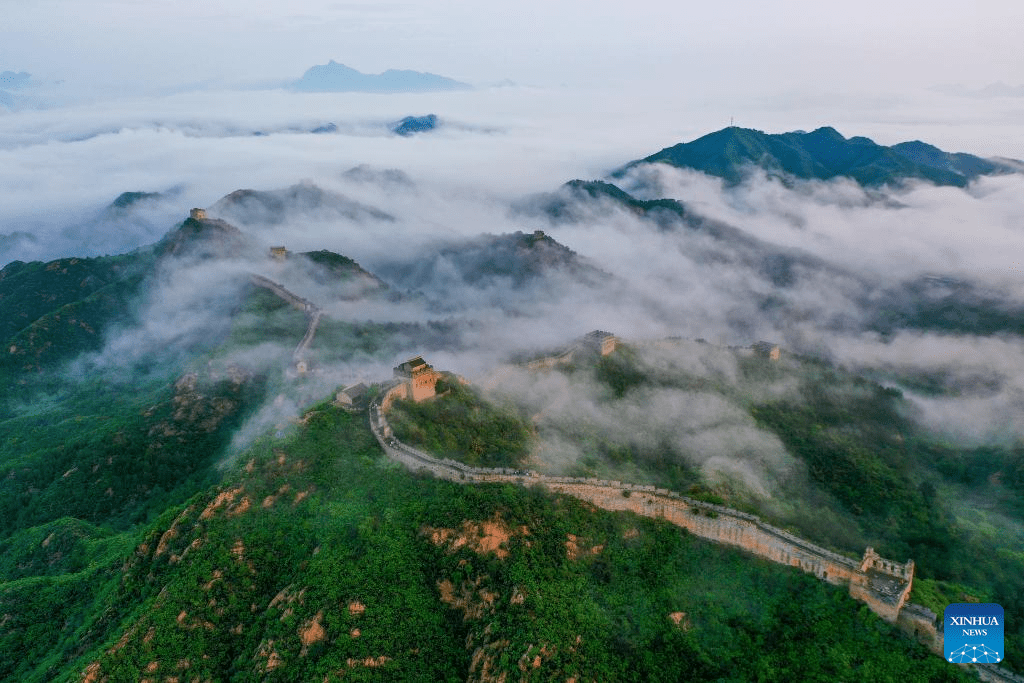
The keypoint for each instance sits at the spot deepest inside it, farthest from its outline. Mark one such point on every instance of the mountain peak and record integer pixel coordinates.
(411, 125)
(271, 207)
(337, 77)
(202, 237)
(128, 199)
(822, 154)
(826, 132)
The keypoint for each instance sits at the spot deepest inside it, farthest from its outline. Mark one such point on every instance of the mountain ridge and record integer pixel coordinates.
(274, 206)
(337, 77)
(822, 154)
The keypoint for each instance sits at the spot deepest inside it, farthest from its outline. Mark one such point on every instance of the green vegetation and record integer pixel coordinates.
(869, 475)
(347, 340)
(461, 425)
(130, 545)
(516, 259)
(821, 154)
(51, 312)
(315, 559)
(115, 455)
(265, 318)
(860, 450)
(28, 291)
(341, 268)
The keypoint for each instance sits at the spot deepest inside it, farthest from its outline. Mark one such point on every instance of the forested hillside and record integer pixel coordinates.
(316, 558)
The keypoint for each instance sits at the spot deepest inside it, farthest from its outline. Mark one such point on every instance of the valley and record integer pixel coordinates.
(186, 495)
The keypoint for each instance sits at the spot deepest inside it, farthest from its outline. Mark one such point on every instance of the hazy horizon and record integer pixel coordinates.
(175, 109)
(881, 45)
(129, 97)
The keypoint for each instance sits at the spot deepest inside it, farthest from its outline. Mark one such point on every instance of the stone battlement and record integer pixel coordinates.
(882, 584)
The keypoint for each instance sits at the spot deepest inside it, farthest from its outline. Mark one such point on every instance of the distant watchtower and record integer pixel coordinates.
(197, 214)
(278, 253)
(767, 350)
(600, 341)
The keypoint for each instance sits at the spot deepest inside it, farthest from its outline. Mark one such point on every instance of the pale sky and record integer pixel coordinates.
(160, 94)
(728, 45)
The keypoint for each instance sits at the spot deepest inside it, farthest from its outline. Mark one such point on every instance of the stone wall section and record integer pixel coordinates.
(706, 520)
(312, 311)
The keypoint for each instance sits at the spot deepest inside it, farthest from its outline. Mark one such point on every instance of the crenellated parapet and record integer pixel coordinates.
(883, 585)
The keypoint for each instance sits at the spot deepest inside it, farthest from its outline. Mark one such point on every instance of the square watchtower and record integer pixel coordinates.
(419, 376)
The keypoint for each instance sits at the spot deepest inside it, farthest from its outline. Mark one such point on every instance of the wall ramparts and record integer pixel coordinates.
(312, 311)
(293, 299)
(713, 522)
(314, 322)
(722, 525)
(706, 520)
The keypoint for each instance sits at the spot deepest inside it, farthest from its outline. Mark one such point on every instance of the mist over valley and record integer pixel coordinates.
(209, 295)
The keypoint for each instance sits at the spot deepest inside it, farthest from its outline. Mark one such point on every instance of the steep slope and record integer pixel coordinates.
(28, 291)
(927, 302)
(291, 570)
(346, 279)
(579, 200)
(202, 238)
(50, 312)
(822, 154)
(518, 259)
(127, 200)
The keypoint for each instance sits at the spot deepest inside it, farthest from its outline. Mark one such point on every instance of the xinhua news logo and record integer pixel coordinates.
(972, 633)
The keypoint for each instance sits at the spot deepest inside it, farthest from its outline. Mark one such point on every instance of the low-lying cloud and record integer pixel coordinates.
(813, 266)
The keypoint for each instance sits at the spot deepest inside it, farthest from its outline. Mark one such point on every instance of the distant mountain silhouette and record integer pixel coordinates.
(822, 154)
(387, 177)
(10, 80)
(411, 125)
(126, 200)
(335, 77)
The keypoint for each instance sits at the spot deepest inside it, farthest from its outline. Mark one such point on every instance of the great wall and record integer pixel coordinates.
(312, 311)
(883, 585)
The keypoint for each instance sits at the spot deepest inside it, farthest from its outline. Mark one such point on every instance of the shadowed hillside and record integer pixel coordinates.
(822, 154)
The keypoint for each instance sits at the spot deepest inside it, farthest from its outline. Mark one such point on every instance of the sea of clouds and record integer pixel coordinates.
(61, 167)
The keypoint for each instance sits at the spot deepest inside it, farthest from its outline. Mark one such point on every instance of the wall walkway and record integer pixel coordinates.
(706, 520)
(312, 311)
